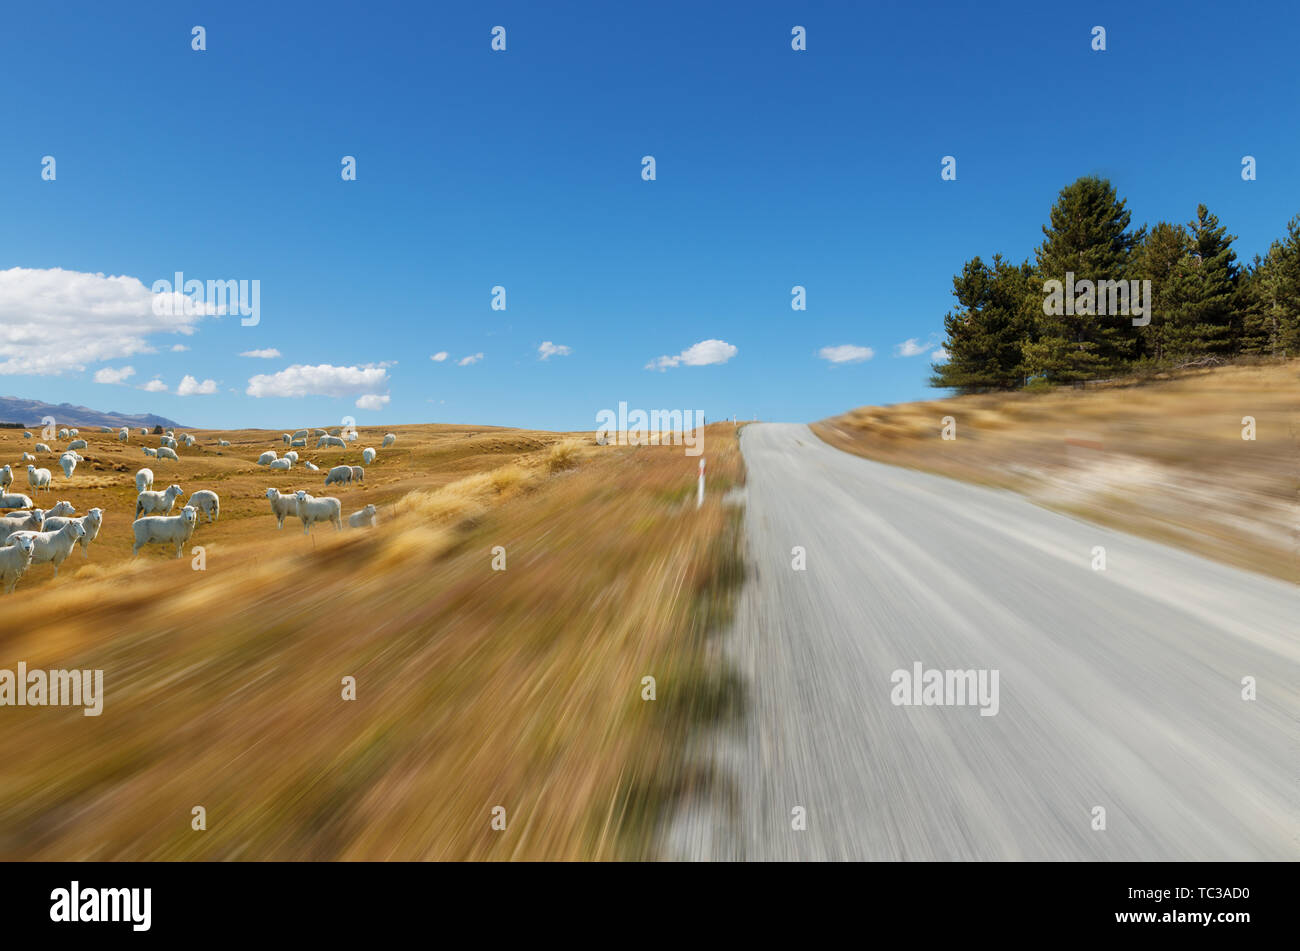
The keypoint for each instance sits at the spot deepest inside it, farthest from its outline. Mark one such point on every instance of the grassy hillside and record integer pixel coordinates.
(475, 688)
(1163, 458)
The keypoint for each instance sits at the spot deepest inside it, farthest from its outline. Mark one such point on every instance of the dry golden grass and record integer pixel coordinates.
(1165, 459)
(475, 688)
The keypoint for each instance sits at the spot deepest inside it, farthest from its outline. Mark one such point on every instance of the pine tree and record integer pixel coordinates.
(1208, 320)
(1163, 258)
(985, 333)
(1272, 298)
(1087, 236)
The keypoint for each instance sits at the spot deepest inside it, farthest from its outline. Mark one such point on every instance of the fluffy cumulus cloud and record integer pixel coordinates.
(192, 387)
(155, 386)
(179, 348)
(702, 354)
(912, 348)
(270, 353)
(54, 321)
(548, 350)
(439, 356)
(373, 401)
(846, 353)
(939, 355)
(321, 380)
(114, 374)
(472, 359)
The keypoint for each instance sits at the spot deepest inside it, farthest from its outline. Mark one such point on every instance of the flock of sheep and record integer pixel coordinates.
(31, 536)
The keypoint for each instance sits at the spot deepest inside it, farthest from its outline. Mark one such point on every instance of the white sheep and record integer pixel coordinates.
(166, 453)
(358, 474)
(282, 506)
(286, 438)
(311, 467)
(300, 434)
(144, 431)
(41, 447)
(63, 433)
(6, 477)
(32, 521)
(291, 456)
(68, 462)
(188, 440)
(143, 480)
(157, 503)
(325, 509)
(319, 432)
(39, 478)
(331, 441)
(283, 464)
(77, 444)
(105, 429)
(123, 434)
(91, 522)
(28, 457)
(165, 529)
(352, 435)
(16, 501)
(389, 439)
(167, 441)
(207, 503)
(26, 435)
(52, 547)
(223, 442)
(266, 458)
(15, 559)
(340, 474)
(74, 433)
(169, 432)
(63, 507)
(299, 444)
(367, 455)
(365, 518)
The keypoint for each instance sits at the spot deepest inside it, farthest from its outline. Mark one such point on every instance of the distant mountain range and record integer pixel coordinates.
(30, 412)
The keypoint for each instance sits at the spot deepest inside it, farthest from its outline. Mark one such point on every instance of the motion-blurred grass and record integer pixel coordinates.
(475, 688)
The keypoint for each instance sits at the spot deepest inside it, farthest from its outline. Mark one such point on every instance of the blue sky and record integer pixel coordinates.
(523, 169)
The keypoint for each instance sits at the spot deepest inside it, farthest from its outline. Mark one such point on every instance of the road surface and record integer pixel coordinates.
(1118, 688)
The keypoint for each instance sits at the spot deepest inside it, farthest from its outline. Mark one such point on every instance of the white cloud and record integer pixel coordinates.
(846, 353)
(54, 321)
(439, 356)
(155, 386)
(179, 348)
(112, 375)
(192, 387)
(270, 353)
(939, 355)
(470, 360)
(322, 380)
(372, 401)
(548, 349)
(702, 354)
(912, 348)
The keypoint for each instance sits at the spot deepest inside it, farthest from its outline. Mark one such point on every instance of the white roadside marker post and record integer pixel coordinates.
(699, 498)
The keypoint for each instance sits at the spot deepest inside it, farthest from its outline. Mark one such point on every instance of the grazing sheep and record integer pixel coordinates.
(389, 439)
(165, 530)
(365, 518)
(299, 444)
(282, 505)
(311, 467)
(286, 438)
(300, 434)
(53, 546)
(284, 464)
(266, 458)
(77, 444)
(41, 447)
(223, 442)
(208, 503)
(18, 501)
(319, 432)
(26, 435)
(358, 474)
(166, 453)
(15, 559)
(167, 441)
(340, 474)
(325, 509)
(105, 429)
(28, 457)
(291, 456)
(150, 452)
(367, 455)
(91, 522)
(39, 478)
(6, 477)
(68, 462)
(144, 431)
(170, 432)
(63, 433)
(144, 480)
(157, 503)
(188, 440)
(123, 434)
(331, 441)
(352, 436)
(74, 433)
(61, 508)
(32, 521)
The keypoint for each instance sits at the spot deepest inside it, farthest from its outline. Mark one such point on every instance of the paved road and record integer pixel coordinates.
(1118, 688)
